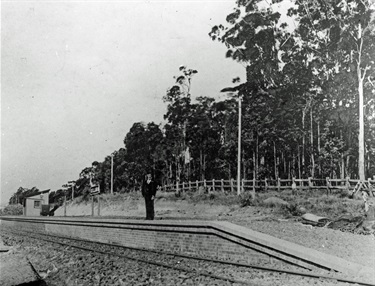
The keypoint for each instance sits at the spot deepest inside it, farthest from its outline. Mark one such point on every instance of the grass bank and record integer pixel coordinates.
(192, 203)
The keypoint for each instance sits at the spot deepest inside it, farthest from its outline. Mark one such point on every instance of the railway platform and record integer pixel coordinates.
(215, 239)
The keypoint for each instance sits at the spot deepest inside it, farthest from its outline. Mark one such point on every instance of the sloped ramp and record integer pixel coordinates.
(291, 252)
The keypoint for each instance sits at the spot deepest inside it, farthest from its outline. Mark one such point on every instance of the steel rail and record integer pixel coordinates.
(264, 268)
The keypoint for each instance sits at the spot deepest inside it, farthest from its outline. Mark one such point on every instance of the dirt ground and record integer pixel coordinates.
(352, 247)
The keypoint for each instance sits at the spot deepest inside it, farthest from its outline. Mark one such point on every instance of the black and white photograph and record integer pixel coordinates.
(187, 142)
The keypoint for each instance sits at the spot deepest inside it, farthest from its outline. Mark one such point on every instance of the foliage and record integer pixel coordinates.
(308, 67)
(294, 209)
(307, 72)
(16, 209)
(247, 199)
(19, 196)
(57, 197)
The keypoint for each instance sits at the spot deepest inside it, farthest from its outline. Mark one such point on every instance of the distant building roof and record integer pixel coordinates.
(38, 193)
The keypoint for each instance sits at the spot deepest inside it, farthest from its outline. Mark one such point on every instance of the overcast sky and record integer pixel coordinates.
(76, 75)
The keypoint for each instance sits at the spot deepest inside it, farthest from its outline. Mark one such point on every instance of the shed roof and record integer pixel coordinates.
(38, 193)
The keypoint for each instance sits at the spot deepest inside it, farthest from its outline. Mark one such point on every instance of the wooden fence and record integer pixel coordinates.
(266, 184)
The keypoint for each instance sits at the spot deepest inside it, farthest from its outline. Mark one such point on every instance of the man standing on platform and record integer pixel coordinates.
(149, 192)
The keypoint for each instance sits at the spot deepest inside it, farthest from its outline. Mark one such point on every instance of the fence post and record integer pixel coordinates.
(265, 184)
(213, 185)
(347, 184)
(196, 185)
(183, 187)
(254, 183)
(252, 191)
(177, 189)
(243, 186)
(204, 184)
(294, 186)
(231, 185)
(278, 184)
(189, 186)
(328, 186)
(222, 185)
(310, 182)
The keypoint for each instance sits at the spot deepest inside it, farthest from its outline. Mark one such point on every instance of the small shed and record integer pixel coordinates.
(33, 204)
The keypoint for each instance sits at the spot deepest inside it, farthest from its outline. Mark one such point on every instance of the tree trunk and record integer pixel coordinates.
(204, 166)
(299, 162)
(361, 141)
(293, 172)
(318, 130)
(303, 141)
(312, 144)
(244, 169)
(170, 172)
(189, 171)
(201, 164)
(177, 170)
(275, 160)
(342, 171)
(254, 168)
(347, 166)
(257, 156)
(229, 171)
(318, 136)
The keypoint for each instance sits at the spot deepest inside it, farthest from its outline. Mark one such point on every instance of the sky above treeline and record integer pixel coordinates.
(76, 75)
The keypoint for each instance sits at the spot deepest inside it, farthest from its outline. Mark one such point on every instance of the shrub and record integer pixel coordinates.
(295, 210)
(247, 199)
(12, 210)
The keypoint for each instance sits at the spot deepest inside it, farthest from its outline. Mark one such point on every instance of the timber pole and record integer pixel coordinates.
(111, 174)
(239, 149)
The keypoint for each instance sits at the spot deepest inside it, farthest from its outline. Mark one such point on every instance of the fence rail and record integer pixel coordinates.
(266, 184)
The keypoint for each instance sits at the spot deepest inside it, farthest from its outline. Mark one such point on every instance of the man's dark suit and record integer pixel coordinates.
(148, 192)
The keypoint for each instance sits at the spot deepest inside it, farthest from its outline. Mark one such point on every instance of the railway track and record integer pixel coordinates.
(213, 270)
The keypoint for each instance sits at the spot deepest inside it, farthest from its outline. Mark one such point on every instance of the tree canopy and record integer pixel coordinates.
(308, 103)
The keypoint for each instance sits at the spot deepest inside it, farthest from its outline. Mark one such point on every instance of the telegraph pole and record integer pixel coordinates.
(112, 174)
(239, 148)
(231, 90)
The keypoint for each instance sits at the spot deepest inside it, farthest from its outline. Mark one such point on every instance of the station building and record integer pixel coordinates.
(34, 204)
